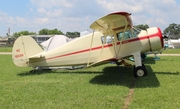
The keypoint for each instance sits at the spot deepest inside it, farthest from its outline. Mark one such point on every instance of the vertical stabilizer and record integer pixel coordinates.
(23, 48)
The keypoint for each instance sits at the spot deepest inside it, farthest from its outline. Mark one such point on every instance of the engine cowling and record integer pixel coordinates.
(155, 39)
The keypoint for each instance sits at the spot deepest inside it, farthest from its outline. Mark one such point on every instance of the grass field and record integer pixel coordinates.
(5, 49)
(171, 51)
(103, 87)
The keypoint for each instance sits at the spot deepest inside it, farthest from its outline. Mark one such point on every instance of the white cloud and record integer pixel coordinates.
(131, 6)
(52, 3)
(6, 19)
(41, 10)
(49, 13)
(41, 21)
(21, 20)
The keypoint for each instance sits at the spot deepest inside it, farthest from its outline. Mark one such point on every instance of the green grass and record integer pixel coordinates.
(171, 51)
(103, 87)
(5, 49)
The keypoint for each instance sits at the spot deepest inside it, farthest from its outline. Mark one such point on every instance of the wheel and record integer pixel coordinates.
(143, 56)
(140, 71)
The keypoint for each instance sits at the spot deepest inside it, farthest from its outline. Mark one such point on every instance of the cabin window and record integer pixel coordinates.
(107, 39)
(127, 35)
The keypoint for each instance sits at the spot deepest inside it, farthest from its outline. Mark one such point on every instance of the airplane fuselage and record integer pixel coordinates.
(91, 48)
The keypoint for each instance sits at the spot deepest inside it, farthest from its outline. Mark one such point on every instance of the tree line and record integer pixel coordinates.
(172, 31)
(47, 32)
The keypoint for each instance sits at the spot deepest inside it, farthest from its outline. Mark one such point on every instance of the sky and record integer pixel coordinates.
(78, 15)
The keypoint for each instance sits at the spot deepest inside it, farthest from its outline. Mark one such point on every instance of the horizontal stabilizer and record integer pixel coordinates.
(36, 56)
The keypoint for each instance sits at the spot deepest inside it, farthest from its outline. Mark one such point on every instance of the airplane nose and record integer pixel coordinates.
(155, 38)
(160, 36)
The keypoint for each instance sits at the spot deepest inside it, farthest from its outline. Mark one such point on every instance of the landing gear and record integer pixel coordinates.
(35, 69)
(139, 68)
(140, 71)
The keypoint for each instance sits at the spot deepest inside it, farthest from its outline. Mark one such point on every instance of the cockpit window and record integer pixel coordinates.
(107, 39)
(133, 32)
(127, 35)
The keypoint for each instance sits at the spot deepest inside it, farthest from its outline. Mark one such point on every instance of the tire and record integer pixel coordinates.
(140, 71)
(145, 69)
(142, 66)
(143, 56)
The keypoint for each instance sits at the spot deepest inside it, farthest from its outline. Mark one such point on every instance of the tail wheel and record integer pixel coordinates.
(140, 71)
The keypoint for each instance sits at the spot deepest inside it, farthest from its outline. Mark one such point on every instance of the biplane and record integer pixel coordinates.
(113, 40)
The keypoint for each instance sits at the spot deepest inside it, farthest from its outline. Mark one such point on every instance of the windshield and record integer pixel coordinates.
(136, 31)
(128, 34)
(132, 33)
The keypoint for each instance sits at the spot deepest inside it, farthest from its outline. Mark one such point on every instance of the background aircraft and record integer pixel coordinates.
(113, 39)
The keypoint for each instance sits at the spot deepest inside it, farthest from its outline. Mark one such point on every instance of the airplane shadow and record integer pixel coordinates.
(28, 73)
(58, 71)
(123, 76)
(111, 75)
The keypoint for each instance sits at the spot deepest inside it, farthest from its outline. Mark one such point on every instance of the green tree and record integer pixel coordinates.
(142, 27)
(44, 32)
(172, 30)
(56, 31)
(23, 33)
(73, 34)
(16, 35)
(50, 32)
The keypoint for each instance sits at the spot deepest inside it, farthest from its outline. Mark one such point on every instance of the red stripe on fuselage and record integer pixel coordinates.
(81, 51)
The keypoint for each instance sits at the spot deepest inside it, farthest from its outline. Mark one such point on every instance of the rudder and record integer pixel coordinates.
(23, 48)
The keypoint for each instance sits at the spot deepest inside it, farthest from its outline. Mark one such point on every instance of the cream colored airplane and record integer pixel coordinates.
(113, 39)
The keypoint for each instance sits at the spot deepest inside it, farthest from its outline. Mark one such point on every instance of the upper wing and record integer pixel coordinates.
(112, 22)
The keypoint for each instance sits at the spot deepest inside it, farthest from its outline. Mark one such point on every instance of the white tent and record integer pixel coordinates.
(54, 42)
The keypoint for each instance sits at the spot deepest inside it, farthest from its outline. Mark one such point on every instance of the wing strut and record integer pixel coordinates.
(122, 36)
(90, 48)
(114, 43)
(102, 48)
(105, 40)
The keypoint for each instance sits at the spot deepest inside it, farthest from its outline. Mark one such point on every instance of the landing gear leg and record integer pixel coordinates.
(139, 68)
(156, 57)
(35, 69)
